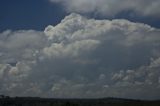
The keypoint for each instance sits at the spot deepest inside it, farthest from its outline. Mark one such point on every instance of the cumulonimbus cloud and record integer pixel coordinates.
(112, 7)
(88, 57)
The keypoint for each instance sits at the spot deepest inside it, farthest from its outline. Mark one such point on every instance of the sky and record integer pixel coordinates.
(80, 48)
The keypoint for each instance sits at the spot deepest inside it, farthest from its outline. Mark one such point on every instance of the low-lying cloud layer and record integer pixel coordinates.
(112, 7)
(82, 57)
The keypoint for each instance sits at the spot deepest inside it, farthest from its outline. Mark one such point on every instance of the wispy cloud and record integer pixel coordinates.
(112, 7)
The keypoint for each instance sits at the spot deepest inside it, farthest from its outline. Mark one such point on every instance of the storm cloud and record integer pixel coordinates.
(82, 57)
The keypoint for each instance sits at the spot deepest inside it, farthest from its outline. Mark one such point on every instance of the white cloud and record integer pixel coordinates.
(112, 7)
(73, 49)
(91, 58)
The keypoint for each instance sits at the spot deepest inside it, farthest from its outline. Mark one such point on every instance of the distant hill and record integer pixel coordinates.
(36, 101)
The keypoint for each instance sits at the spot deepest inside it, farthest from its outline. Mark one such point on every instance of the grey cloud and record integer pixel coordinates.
(112, 7)
(20, 45)
(141, 81)
(144, 75)
(82, 57)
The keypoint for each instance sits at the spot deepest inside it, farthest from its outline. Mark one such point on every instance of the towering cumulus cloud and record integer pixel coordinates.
(82, 57)
(112, 7)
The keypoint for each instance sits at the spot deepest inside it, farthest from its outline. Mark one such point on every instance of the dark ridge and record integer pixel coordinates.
(37, 101)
